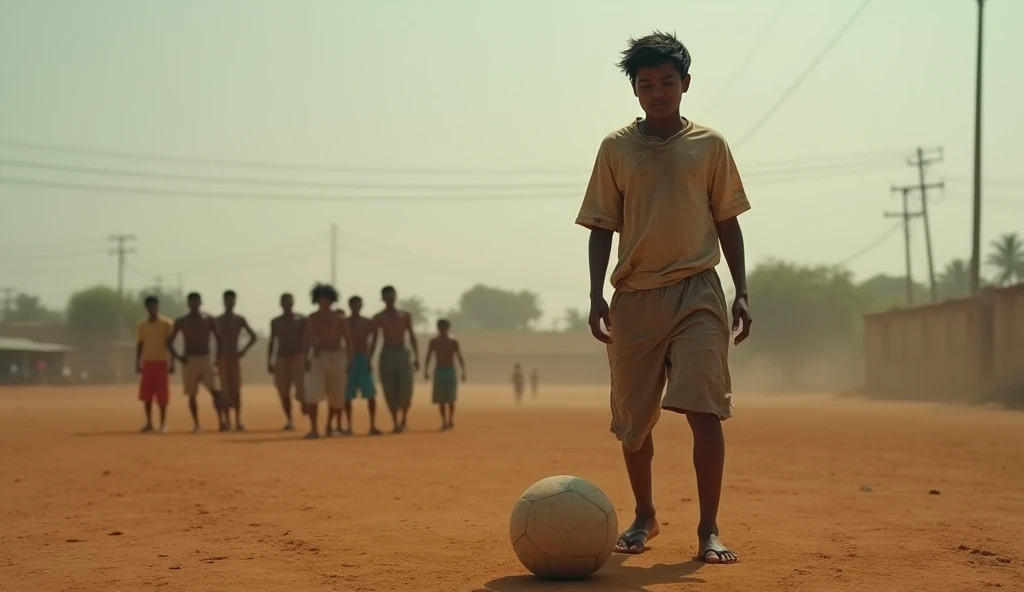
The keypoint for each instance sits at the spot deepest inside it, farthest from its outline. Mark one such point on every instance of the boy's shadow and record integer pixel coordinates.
(615, 576)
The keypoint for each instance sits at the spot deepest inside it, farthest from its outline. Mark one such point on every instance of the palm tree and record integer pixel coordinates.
(417, 310)
(1007, 257)
(955, 279)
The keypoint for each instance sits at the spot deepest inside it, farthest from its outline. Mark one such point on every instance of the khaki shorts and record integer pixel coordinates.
(290, 373)
(328, 377)
(229, 370)
(672, 340)
(198, 371)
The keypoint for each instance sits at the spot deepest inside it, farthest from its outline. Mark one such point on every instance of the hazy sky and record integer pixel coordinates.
(521, 91)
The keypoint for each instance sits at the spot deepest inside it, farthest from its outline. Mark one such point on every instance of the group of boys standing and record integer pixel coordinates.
(325, 355)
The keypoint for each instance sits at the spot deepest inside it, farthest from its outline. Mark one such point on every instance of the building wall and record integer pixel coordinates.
(956, 350)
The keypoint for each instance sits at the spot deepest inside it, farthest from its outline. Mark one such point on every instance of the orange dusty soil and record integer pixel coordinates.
(88, 504)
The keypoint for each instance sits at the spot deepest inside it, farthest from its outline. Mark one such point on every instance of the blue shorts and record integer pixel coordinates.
(360, 379)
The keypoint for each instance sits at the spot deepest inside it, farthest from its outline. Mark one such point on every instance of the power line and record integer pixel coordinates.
(793, 168)
(116, 172)
(752, 53)
(803, 75)
(877, 242)
(251, 164)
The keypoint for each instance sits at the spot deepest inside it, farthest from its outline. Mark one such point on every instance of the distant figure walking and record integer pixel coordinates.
(534, 383)
(518, 382)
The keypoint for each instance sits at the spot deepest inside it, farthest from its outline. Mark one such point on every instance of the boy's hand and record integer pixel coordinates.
(463, 377)
(426, 375)
(741, 312)
(270, 367)
(182, 360)
(170, 369)
(138, 367)
(599, 312)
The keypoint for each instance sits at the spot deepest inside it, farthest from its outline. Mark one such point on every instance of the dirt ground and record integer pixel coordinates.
(89, 504)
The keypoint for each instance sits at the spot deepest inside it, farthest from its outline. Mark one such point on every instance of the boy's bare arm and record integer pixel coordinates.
(458, 356)
(176, 328)
(270, 347)
(426, 361)
(216, 336)
(138, 356)
(731, 237)
(346, 336)
(252, 337)
(599, 252)
(374, 328)
(412, 341)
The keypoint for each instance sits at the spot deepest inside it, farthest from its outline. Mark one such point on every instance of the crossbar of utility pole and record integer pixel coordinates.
(121, 250)
(921, 159)
(906, 215)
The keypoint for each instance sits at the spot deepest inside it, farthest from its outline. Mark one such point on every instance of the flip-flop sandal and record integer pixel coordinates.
(713, 545)
(628, 540)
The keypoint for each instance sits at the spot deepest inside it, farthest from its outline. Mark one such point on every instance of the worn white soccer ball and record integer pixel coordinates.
(563, 528)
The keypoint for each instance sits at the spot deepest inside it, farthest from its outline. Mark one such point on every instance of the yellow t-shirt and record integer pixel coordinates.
(663, 198)
(153, 336)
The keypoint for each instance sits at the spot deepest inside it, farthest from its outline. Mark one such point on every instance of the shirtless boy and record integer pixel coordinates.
(360, 378)
(395, 367)
(327, 339)
(197, 328)
(229, 363)
(671, 189)
(288, 363)
(446, 382)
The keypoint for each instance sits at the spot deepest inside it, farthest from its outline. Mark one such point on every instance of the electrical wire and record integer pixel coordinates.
(803, 75)
(877, 242)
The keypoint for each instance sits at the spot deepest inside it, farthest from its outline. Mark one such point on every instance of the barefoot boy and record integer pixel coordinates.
(395, 367)
(671, 190)
(229, 364)
(288, 363)
(153, 362)
(197, 328)
(327, 338)
(360, 379)
(446, 383)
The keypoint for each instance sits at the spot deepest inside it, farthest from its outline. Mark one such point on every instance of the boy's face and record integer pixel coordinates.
(389, 298)
(442, 328)
(356, 306)
(229, 303)
(324, 302)
(152, 308)
(660, 90)
(194, 304)
(287, 302)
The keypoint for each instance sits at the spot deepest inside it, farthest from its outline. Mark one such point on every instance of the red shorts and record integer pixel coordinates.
(154, 383)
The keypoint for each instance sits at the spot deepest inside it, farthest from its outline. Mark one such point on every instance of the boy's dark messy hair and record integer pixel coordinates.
(323, 291)
(151, 299)
(652, 51)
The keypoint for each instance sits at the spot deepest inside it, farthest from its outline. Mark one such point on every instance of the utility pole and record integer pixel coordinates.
(121, 250)
(976, 228)
(8, 302)
(906, 215)
(334, 255)
(922, 159)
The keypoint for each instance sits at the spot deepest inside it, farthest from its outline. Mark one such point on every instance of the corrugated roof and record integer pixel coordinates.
(19, 344)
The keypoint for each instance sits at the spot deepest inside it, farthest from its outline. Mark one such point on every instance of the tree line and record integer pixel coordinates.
(799, 308)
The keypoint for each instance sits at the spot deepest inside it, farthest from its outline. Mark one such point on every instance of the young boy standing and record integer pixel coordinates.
(153, 362)
(446, 381)
(671, 189)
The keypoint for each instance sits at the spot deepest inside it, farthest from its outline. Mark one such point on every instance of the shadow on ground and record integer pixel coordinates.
(615, 576)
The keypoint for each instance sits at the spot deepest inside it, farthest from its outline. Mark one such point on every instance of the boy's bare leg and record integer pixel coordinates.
(311, 413)
(371, 405)
(193, 408)
(148, 407)
(238, 412)
(163, 417)
(451, 415)
(347, 410)
(444, 416)
(709, 464)
(286, 406)
(645, 525)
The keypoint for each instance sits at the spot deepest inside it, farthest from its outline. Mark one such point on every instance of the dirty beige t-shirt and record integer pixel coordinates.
(663, 198)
